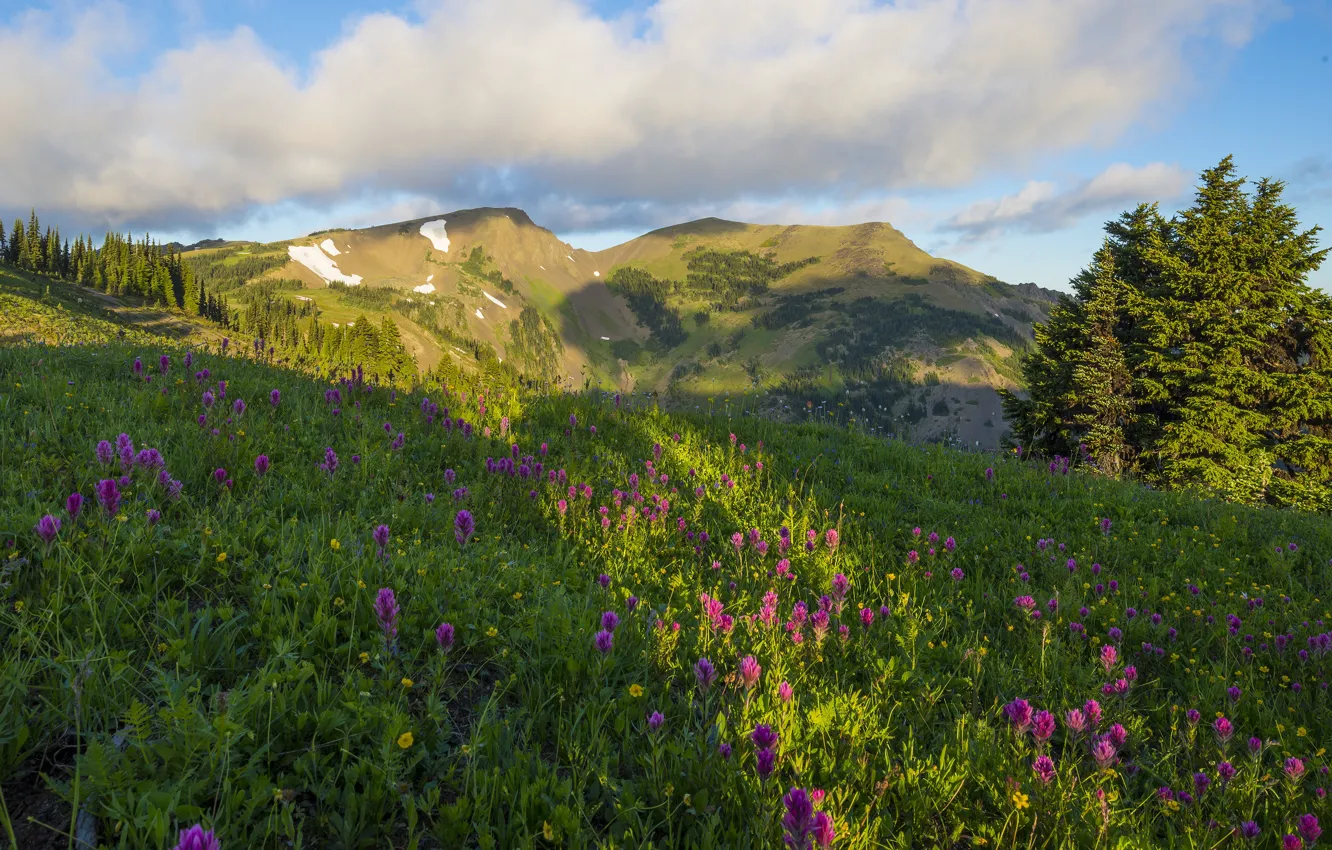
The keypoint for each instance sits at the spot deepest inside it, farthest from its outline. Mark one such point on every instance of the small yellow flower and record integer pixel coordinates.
(492, 631)
(338, 601)
(267, 586)
(517, 596)
(18, 606)
(635, 690)
(405, 740)
(365, 658)
(547, 831)
(407, 683)
(221, 557)
(334, 544)
(421, 572)
(1020, 800)
(277, 795)
(1302, 732)
(360, 584)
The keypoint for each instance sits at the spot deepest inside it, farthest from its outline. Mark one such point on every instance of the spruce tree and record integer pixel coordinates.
(1193, 353)
(4, 243)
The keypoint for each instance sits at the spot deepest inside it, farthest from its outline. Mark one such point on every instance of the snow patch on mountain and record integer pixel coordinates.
(434, 231)
(321, 264)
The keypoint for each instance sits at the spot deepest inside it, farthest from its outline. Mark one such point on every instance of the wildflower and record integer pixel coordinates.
(1255, 746)
(405, 740)
(750, 671)
(724, 750)
(823, 831)
(1200, 782)
(275, 398)
(1249, 830)
(609, 620)
(1309, 828)
(1019, 714)
(334, 544)
(444, 636)
(407, 683)
(1192, 716)
(386, 610)
(261, 465)
(238, 406)
(866, 617)
(704, 673)
(763, 737)
(1294, 769)
(957, 574)
(108, 496)
(785, 692)
(798, 819)
(1045, 769)
(1043, 726)
(47, 528)
(830, 538)
(1224, 729)
(765, 761)
(1234, 693)
(196, 837)
(73, 505)
(154, 516)
(1291, 842)
(381, 537)
(631, 603)
(463, 526)
(635, 690)
(1109, 657)
(1104, 752)
(603, 580)
(208, 399)
(655, 721)
(1021, 801)
(602, 641)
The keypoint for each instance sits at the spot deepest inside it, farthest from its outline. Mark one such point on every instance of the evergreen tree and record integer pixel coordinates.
(1193, 353)
(4, 244)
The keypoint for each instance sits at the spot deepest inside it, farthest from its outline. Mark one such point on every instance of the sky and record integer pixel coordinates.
(999, 133)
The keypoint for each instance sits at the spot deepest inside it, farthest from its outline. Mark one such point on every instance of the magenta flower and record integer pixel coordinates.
(238, 406)
(609, 620)
(444, 636)
(381, 537)
(1043, 726)
(1109, 657)
(47, 528)
(105, 452)
(1249, 830)
(261, 465)
(275, 397)
(208, 399)
(1224, 729)
(603, 641)
(957, 574)
(830, 538)
(386, 611)
(154, 516)
(197, 838)
(1234, 693)
(463, 526)
(1294, 769)
(1045, 769)
(108, 496)
(1019, 714)
(823, 831)
(785, 692)
(704, 673)
(1291, 841)
(750, 671)
(655, 721)
(1226, 771)
(1104, 752)
(73, 505)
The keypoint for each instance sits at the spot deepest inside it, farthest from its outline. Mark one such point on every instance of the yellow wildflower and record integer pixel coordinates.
(365, 658)
(547, 831)
(221, 557)
(1020, 800)
(635, 690)
(405, 740)
(334, 544)
(407, 683)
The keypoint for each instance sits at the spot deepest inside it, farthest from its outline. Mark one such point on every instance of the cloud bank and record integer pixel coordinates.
(591, 122)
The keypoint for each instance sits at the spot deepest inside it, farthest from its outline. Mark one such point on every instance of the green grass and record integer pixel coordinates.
(225, 665)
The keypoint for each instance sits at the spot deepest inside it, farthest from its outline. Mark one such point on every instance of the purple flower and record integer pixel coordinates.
(823, 831)
(444, 636)
(238, 406)
(603, 580)
(1255, 746)
(74, 504)
(1249, 830)
(1200, 782)
(1234, 693)
(105, 452)
(609, 620)
(705, 673)
(1045, 769)
(1294, 769)
(630, 604)
(798, 819)
(1224, 729)
(765, 763)
(274, 397)
(1226, 771)
(261, 465)
(1309, 828)
(108, 496)
(724, 750)
(154, 516)
(197, 838)
(1291, 842)
(47, 528)
(957, 574)
(750, 671)
(1104, 752)
(1075, 720)
(208, 399)
(386, 610)
(138, 367)
(602, 641)
(381, 536)
(1193, 716)
(219, 475)
(763, 737)
(785, 692)
(463, 526)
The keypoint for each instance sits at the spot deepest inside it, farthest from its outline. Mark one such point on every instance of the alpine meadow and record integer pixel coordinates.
(548, 493)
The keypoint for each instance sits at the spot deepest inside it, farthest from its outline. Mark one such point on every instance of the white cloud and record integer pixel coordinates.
(1040, 207)
(539, 102)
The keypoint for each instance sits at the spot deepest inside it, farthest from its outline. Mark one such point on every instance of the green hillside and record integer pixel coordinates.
(210, 637)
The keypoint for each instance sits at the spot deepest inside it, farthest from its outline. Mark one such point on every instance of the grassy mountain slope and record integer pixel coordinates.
(857, 312)
(223, 660)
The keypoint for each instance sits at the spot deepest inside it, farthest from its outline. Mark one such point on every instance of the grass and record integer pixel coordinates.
(226, 664)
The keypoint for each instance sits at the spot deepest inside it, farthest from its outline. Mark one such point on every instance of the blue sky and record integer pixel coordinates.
(1000, 134)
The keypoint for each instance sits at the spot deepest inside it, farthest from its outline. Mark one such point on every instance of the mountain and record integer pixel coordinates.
(856, 321)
